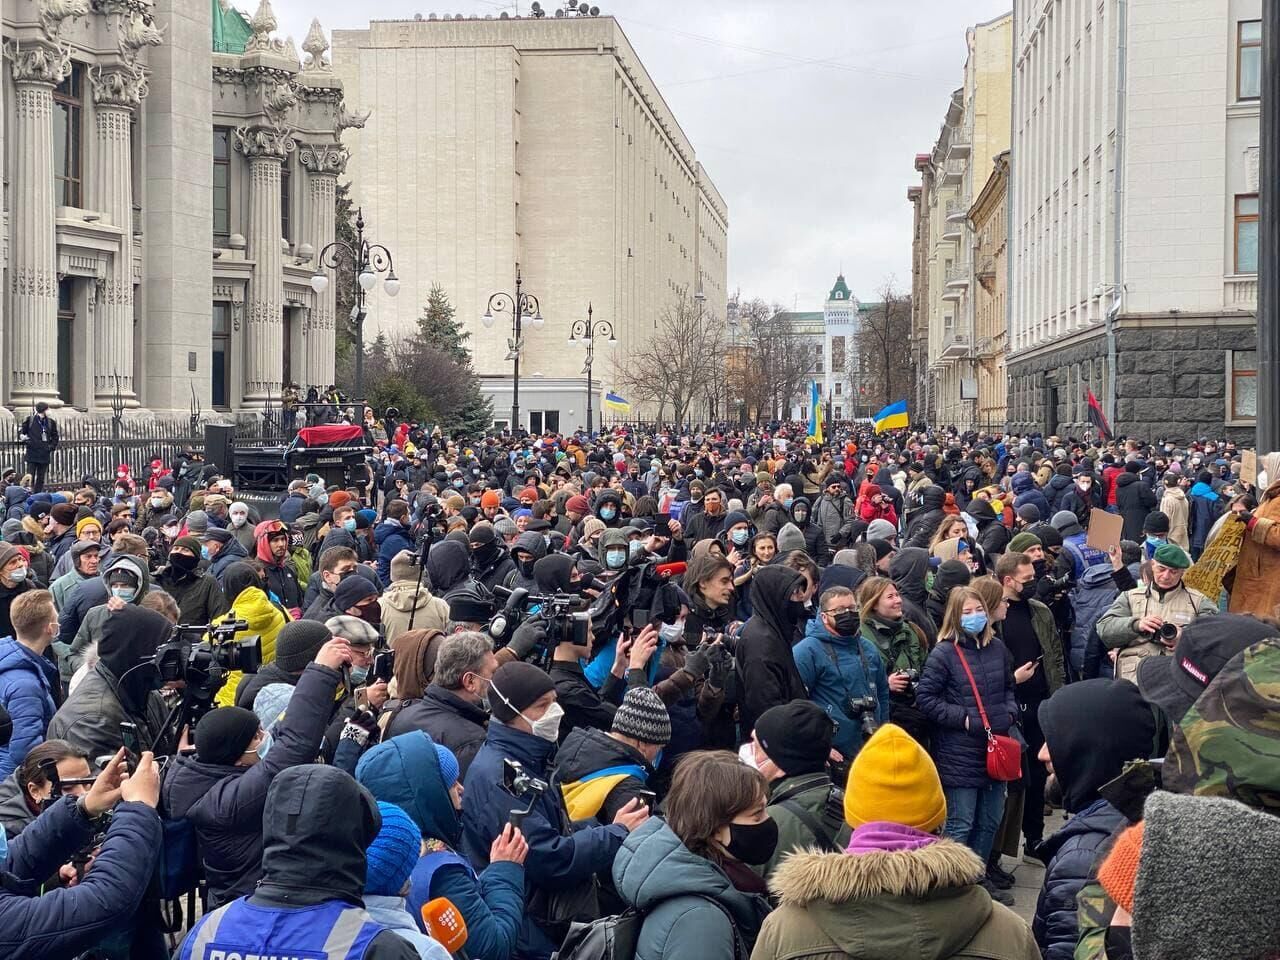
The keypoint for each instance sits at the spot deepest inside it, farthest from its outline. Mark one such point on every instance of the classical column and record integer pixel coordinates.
(116, 92)
(323, 163)
(32, 343)
(266, 148)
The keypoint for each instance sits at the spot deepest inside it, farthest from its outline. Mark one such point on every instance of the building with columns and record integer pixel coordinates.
(170, 168)
(540, 141)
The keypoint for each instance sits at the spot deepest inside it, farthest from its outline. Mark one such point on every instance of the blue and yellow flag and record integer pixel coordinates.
(892, 417)
(815, 413)
(614, 402)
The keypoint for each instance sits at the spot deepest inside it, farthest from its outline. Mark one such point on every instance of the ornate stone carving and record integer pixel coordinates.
(321, 94)
(135, 32)
(314, 46)
(350, 119)
(1251, 160)
(30, 282)
(277, 100)
(121, 86)
(38, 62)
(53, 13)
(264, 24)
(269, 143)
(237, 307)
(318, 158)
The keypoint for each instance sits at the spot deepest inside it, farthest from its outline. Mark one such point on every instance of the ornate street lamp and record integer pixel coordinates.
(524, 308)
(586, 331)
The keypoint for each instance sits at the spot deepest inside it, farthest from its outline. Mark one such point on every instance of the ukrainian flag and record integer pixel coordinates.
(614, 402)
(815, 413)
(892, 417)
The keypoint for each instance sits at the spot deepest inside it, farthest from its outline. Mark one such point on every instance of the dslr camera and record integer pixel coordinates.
(1166, 633)
(862, 710)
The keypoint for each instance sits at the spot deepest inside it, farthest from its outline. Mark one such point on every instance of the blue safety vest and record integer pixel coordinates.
(242, 931)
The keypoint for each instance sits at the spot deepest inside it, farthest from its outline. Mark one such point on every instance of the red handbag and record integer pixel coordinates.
(1004, 754)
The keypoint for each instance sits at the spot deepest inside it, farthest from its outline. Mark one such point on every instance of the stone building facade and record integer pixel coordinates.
(147, 262)
(1133, 211)
(989, 225)
(538, 141)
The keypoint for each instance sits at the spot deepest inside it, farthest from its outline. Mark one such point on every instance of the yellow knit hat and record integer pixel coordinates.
(894, 779)
(88, 522)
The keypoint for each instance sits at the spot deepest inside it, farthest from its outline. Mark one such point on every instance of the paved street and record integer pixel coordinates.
(1030, 876)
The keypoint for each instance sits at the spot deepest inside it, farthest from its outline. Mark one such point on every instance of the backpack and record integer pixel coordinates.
(178, 867)
(615, 937)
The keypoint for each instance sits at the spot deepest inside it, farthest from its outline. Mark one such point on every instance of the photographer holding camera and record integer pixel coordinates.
(66, 921)
(1147, 620)
(222, 788)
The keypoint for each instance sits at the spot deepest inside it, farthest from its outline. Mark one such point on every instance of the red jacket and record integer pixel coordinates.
(869, 510)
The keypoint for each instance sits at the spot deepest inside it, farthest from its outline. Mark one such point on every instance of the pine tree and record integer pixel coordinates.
(437, 328)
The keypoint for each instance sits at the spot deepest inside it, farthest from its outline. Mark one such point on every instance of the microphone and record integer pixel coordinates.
(676, 569)
(445, 925)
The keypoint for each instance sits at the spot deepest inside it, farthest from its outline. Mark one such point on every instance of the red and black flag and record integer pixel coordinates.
(1098, 418)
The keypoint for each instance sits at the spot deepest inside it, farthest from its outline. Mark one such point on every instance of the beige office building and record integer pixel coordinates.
(537, 141)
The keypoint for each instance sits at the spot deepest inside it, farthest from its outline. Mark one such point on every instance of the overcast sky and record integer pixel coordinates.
(807, 116)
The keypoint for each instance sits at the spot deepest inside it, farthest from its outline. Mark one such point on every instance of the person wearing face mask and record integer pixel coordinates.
(197, 594)
(772, 508)
(491, 563)
(711, 521)
(1084, 495)
(342, 528)
(221, 789)
(815, 541)
(239, 525)
(767, 674)
(221, 550)
(614, 552)
(127, 581)
(158, 503)
(689, 873)
(737, 534)
(608, 508)
(949, 698)
(562, 861)
(840, 667)
(896, 873)
(248, 600)
(422, 778)
(28, 680)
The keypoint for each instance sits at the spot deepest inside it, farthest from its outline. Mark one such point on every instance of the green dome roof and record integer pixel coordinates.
(840, 291)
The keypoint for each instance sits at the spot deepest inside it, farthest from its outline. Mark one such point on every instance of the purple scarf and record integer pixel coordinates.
(883, 837)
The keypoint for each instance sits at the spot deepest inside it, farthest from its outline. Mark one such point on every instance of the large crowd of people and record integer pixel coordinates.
(653, 693)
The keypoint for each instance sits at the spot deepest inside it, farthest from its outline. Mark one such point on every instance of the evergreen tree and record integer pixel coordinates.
(437, 328)
(467, 410)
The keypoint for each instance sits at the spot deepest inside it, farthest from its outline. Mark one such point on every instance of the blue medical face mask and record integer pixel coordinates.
(635, 548)
(973, 623)
(124, 593)
(615, 559)
(349, 525)
(740, 536)
(607, 513)
(359, 675)
(204, 551)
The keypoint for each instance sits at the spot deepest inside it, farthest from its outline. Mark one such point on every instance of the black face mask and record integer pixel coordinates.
(846, 622)
(526, 567)
(1040, 567)
(799, 614)
(753, 843)
(183, 563)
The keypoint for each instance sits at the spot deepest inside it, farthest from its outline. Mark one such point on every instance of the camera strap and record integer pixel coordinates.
(835, 662)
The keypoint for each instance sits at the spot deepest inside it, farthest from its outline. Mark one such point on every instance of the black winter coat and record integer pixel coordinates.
(446, 718)
(41, 435)
(1134, 500)
(945, 696)
(225, 803)
(767, 674)
(199, 597)
(587, 751)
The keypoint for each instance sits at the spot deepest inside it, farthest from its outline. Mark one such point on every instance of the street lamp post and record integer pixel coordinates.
(368, 260)
(587, 330)
(523, 306)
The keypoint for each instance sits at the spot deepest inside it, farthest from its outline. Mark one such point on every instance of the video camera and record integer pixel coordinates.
(201, 665)
(565, 614)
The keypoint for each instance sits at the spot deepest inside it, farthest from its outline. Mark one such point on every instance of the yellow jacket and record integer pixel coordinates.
(265, 620)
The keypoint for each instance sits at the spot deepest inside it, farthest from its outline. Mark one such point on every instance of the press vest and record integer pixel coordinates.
(1179, 605)
(241, 931)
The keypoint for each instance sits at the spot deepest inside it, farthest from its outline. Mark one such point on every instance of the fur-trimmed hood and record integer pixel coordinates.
(920, 904)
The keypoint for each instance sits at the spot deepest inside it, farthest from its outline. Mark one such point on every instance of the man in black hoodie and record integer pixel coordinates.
(767, 674)
(318, 823)
(1091, 730)
(909, 570)
(925, 523)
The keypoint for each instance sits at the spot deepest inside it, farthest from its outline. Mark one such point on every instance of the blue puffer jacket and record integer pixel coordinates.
(1093, 594)
(560, 859)
(685, 899)
(832, 684)
(1024, 486)
(405, 770)
(391, 537)
(67, 921)
(27, 683)
(1205, 508)
(1071, 855)
(945, 696)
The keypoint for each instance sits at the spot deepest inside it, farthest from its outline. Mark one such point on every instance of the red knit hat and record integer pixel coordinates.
(578, 504)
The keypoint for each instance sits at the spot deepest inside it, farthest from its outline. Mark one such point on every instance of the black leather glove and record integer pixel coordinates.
(528, 636)
(698, 663)
(1244, 516)
(719, 669)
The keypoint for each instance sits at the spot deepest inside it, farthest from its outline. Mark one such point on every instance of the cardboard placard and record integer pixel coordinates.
(1249, 467)
(1105, 530)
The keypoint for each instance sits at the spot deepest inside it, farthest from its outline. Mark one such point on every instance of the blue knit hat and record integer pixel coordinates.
(449, 769)
(393, 853)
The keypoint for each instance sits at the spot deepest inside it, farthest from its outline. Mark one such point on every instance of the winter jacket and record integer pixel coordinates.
(445, 717)
(1046, 630)
(224, 803)
(1174, 505)
(393, 913)
(800, 804)
(1025, 491)
(924, 524)
(1205, 507)
(41, 435)
(946, 697)
(584, 705)
(685, 899)
(292, 507)
(993, 536)
(251, 684)
(1118, 627)
(63, 586)
(93, 622)
(832, 668)
(66, 921)
(896, 904)
(1091, 597)
(579, 761)
(1257, 584)
(15, 814)
(1134, 500)
(835, 516)
(561, 859)
(705, 527)
(316, 826)
(28, 687)
(767, 674)
(230, 553)
(391, 537)
(402, 599)
(815, 541)
(113, 692)
(405, 771)
(198, 595)
(265, 619)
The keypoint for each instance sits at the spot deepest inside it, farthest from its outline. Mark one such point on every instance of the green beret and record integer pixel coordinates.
(1024, 542)
(1172, 555)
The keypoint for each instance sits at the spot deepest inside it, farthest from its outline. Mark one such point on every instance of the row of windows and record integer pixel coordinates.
(222, 189)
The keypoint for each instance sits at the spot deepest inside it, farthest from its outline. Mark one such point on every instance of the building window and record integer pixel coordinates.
(66, 333)
(839, 415)
(839, 388)
(1242, 402)
(544, 421)
(221, 184)
(1246, 258)
(1249, 60)
(221, 365)
(284, 202)
(68, 111)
